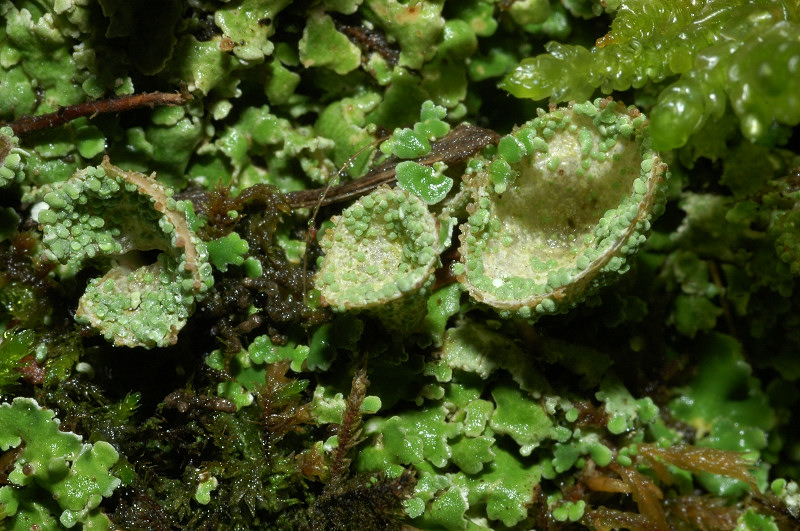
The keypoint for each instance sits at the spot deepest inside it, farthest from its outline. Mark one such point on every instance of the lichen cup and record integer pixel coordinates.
(112, 218)
(559, 208)
(380, 257)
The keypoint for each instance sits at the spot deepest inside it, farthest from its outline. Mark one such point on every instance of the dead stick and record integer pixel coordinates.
(28, 124)
(461, 143)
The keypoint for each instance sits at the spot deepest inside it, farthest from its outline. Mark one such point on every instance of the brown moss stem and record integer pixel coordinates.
(349, 431)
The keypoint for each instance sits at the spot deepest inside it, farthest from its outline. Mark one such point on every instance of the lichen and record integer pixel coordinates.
(565, 201)
(381, 248)
(665, 399)
(75, 475)
(105, 213)
(11, 158)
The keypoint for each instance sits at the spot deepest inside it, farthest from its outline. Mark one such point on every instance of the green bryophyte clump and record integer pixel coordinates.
(11, 158)
(558, 210)
(14, 346)
(54, 474)
(109, 216)
(747, 53)
(381, 249)
(247, 368)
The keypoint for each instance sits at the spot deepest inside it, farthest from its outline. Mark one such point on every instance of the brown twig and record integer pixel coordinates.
(461, 143)
(28, 124)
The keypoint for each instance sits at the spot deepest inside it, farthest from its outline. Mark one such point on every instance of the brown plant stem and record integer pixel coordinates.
(457, 146)
(29, 124)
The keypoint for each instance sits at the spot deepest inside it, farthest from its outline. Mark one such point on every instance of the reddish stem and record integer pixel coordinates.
(28, 124)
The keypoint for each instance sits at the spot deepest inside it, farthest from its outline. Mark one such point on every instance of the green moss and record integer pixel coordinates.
(685, 41)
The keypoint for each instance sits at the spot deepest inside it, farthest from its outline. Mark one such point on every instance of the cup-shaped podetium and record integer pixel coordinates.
(382, 250)
(563, 203)
(111, 219)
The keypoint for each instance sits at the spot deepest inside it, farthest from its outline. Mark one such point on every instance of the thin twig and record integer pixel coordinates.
(28, 124)
(461, 143)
